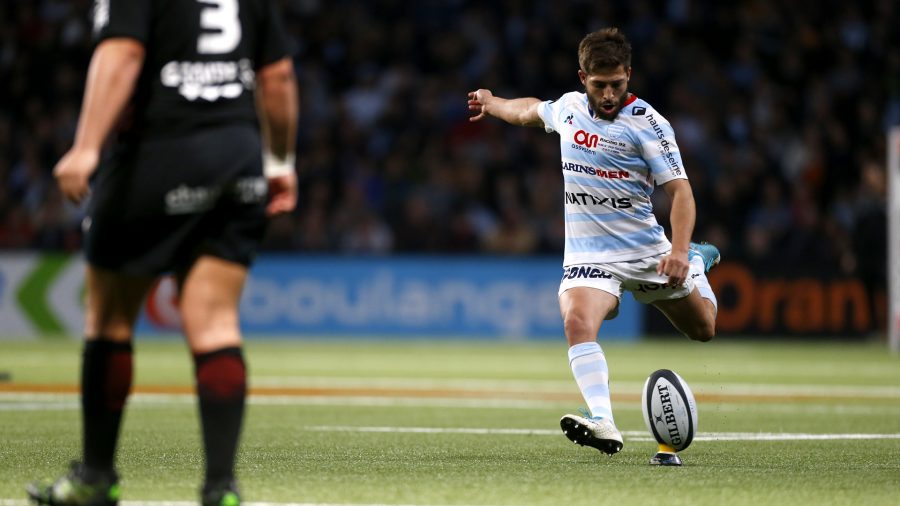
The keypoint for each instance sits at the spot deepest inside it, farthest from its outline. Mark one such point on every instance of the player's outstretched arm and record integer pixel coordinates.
(517, 111)
(114, 70)
(278, 108)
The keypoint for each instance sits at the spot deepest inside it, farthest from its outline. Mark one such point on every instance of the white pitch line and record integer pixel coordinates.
(632, 435)
(17, 401)
(764, 436)
(564, 386)
(41, 401)
(431, 430)
(38, 406)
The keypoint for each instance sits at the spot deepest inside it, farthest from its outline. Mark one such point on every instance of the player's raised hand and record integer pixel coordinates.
(675, 266)
(73, 172)
(477, 101)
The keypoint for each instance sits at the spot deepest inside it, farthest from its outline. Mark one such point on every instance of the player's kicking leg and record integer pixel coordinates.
(695, 315)
(583, 309)
(113, 302)
(708, 253)
(210, 293)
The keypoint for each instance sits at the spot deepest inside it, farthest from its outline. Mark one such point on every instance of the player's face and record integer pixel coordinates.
(606, 90)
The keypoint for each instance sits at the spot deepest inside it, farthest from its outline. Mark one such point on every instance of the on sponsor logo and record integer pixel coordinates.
(586, 139)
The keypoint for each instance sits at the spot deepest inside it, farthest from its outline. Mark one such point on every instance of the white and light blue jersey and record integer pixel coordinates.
(610, 168)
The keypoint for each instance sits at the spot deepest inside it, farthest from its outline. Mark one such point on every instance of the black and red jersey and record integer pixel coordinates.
(201, 58)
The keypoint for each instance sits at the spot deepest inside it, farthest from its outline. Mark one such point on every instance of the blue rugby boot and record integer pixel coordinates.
(708, 252)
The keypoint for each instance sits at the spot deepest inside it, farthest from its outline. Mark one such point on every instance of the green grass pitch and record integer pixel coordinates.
(452, 423)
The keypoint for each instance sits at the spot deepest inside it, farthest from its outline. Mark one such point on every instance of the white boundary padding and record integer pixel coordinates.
(893, 219)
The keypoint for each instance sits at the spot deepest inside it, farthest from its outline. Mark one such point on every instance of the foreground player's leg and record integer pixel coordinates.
(112, 306)
(81, 486)
(221, 391)
(209, 310)
(106, 376)
(105, 382)
(583, 309)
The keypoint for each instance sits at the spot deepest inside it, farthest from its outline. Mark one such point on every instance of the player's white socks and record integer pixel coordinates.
(701, 281)
(588, 364)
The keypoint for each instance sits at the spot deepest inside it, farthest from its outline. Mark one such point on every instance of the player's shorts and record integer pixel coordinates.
(636, 276)
(158, 205)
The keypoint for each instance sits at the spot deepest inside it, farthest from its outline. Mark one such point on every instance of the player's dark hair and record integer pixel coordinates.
(603, 50)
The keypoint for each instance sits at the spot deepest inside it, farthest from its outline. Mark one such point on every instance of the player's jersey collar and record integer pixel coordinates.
(628, 101)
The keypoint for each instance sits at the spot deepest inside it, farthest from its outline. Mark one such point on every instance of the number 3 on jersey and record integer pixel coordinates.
(220, 17)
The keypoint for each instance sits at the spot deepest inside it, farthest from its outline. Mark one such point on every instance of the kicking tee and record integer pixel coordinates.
(610, 169)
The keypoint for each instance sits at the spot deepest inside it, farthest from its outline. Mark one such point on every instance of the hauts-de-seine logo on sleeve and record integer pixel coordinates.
(665, 147)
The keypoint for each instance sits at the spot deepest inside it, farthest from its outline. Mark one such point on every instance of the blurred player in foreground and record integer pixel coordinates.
(615, 148)
(182, 191)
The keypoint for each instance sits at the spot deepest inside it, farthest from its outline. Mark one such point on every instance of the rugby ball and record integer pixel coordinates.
(670, 411)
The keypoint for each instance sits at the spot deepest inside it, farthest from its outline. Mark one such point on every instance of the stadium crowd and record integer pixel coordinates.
(780, 110)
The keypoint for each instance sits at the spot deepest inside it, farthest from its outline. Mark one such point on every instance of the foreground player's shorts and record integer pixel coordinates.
(158, 205)
(637, 276)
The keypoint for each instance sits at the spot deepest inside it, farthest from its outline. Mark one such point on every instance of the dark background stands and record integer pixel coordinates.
(780, 110)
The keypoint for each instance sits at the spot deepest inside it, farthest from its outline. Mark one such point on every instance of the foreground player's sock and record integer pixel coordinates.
(697, 273)
(106, 372)
(221, 389)
(588, 364)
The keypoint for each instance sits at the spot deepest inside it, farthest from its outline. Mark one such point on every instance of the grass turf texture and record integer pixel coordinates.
(302, 441)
